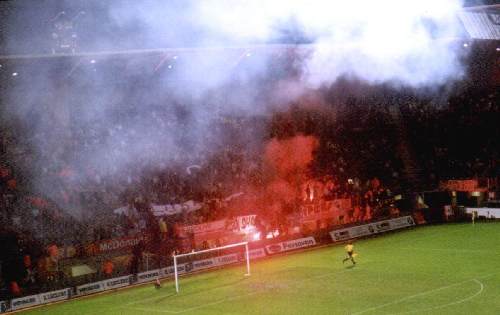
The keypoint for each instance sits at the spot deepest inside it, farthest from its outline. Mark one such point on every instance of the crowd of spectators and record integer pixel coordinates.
(358, 158)
(459, 140)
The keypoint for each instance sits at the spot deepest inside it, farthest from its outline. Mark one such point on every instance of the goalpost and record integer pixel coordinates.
(176, 272)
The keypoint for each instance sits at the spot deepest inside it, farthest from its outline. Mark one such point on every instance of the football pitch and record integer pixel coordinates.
(445, 269)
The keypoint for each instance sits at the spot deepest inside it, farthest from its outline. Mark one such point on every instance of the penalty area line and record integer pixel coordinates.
(145, 309)
(329, 274)
(148, 310)
(481, 289)
(227, 299)
(428, 292)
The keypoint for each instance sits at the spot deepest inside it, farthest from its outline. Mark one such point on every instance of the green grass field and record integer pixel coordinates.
(447, 269)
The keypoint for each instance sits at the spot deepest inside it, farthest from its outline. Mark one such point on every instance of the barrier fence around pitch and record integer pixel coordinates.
(206, 251)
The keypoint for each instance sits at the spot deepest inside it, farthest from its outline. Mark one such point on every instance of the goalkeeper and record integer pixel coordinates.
(350, 253)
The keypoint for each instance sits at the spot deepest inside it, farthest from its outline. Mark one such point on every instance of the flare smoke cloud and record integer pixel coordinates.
(170, 116)
(378, 41)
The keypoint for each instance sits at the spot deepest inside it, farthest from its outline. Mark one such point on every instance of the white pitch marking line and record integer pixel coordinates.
(258, 291)
(450, 304)
(419, 294)
(448, 250)
(219, 301)
(252, 293)
(149, 310)
(325, 275)
(146, 299)
(199, 306)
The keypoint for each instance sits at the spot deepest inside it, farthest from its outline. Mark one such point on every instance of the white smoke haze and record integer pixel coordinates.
(378, 41)
(168, 119)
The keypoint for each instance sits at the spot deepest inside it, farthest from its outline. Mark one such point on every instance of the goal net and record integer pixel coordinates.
(210, 258)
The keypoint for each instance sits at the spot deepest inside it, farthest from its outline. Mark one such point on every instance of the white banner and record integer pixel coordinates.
(372, 228)
(489, 213)
(116, 282)
(89, 288)
(401, 222)
(225, 260)
(23, 302)
(148, 275)
(204, 263)
(163, 210)
(255, 253)
(54, 296)
(340, 235)
(170, 270)
(291, 245)
(166, 210)
(246, 222)
(299, 243)
(382, 226)
(181, 268)
(200, 264)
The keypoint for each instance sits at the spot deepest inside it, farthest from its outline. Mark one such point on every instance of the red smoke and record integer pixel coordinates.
(289, 160)
(285, 171)
(290, 156)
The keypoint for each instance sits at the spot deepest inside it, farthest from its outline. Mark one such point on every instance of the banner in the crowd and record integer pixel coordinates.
(372, 228)
(290, 245)
(116, 282)
(166, 210)
(148, 275)
(25, 301)
(54, 296)
(163, 210)
(208, 227)
(246, 222)
(468, 185)
(119, 243)
(89, 288)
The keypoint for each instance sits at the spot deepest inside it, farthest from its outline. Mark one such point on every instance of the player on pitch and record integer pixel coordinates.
(350, 253)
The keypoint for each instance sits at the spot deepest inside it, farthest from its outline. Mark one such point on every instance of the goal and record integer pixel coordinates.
(198, 260)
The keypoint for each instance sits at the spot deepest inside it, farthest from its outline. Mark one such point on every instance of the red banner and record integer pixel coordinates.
(468, 185)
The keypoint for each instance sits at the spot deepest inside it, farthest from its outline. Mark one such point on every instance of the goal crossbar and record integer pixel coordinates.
(247, 255)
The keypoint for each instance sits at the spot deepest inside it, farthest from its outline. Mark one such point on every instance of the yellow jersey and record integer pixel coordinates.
(349, 247)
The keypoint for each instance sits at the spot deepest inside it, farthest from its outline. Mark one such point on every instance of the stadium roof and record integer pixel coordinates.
(33, 32)
(482, 22)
